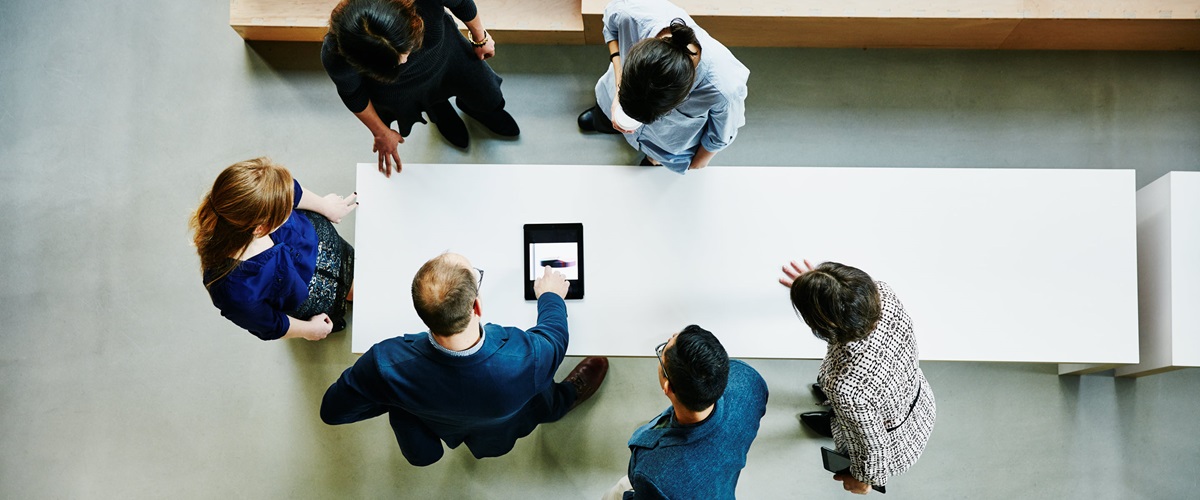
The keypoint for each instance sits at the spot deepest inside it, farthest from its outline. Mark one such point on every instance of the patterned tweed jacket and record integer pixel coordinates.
(872, 384)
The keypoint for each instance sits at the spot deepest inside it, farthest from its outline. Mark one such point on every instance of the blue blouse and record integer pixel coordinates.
(714, 110)
(260, 291)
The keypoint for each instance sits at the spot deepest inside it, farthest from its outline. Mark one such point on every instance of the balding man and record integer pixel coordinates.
(463, 381)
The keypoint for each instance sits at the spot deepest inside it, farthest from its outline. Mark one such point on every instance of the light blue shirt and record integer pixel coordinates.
(713, 111)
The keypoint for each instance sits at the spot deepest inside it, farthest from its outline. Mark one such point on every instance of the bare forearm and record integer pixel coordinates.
(299, 329)
(385, 141)
(613, 48)
(371, 119)
(475, 26)
(701, 158)
(315, 203)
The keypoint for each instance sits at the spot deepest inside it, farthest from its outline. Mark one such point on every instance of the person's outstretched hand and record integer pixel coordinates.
(551, 281)
(792, 270)
(385, 147)
(340, 207)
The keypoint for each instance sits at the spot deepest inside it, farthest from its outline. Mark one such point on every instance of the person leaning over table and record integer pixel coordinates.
(882, 408)
(464, 381)
(685, 90)
(270, 258)
(697, 447)
(391, 60)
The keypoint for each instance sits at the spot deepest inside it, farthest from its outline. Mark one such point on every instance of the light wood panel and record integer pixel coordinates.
(990, 24)
(953, 24)
(281, 20)
(508, 21)
(1105, 34)
(835, 32)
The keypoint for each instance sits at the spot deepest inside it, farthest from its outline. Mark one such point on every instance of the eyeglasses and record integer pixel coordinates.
(480, 285)
(658, 351)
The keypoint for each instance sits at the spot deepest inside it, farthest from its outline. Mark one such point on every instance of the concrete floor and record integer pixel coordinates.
(120, 380)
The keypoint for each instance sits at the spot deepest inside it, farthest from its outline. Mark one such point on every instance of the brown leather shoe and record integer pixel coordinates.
(587, 377)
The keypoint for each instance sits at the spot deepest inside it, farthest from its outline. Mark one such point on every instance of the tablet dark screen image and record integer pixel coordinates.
(559, 246)
(838, 463)
(561, 257)
(834, 462)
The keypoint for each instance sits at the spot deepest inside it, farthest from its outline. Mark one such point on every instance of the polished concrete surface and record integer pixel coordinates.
(120, 380)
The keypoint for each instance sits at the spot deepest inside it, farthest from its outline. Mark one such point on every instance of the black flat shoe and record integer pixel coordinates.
(819, 393)
(821, 422)
(646, 162)
(585, 121)
(593, 120)
(449, 124)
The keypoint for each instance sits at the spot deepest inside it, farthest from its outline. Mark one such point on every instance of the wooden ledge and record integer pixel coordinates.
(951, 24)
(508, 21)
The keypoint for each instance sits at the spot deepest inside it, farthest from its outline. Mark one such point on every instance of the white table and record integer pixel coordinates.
(992, 264)
(1168, 214)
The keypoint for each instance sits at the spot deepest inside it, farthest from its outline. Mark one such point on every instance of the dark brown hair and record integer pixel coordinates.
(658, 74)
(246, 195)
(371, 34)
(443, 293)
(840, 303)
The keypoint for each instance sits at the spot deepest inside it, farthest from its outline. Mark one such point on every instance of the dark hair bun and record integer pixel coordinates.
(682, 35)
(371, 35)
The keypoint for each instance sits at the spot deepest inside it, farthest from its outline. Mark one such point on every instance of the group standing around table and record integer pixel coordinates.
(274, 265)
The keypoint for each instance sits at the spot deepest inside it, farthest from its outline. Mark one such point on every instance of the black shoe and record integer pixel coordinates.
(645, 162)
(585, 121)
(819, 393)
(449, 124)
(821, 422)
(499, 122)
(593, 120)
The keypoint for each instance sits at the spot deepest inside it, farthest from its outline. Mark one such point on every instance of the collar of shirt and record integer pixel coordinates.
(461, 354)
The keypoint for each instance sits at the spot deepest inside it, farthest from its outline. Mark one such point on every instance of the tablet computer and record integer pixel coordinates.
(834, 462)
(559, 246)
(838, 463)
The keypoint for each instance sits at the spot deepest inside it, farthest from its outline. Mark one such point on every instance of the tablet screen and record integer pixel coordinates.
(559, 246)
(562, 257)
(834, 462)
(838, 463)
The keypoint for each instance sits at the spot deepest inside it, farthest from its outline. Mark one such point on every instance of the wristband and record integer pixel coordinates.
(486, 38)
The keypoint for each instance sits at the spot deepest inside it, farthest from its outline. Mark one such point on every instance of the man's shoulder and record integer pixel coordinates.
(745, 393)
(509, 340)
(396, 350)
(744, 375)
